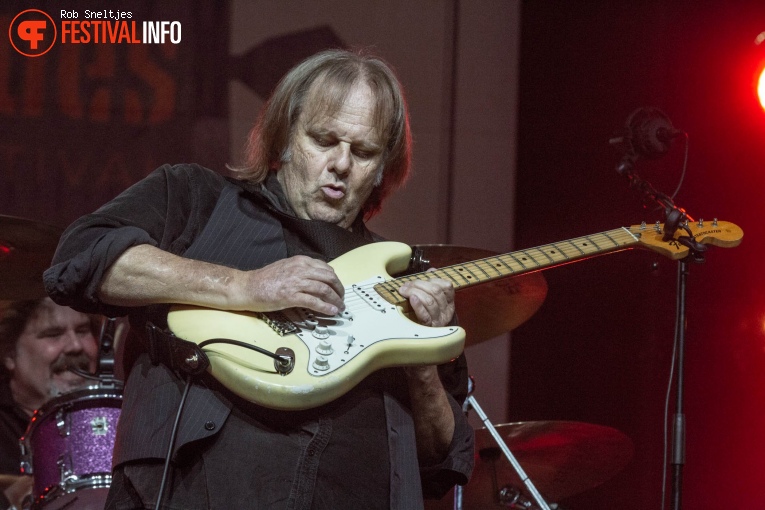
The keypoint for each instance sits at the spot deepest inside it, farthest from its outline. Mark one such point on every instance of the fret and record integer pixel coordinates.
(554, 254)
(577, 247)
(472, 274)
(529, 257)
(500, 263)
(523, 266)
(611, 238)
(390, 287)
(501, 266)
(554, 245)
(419, 276)
(465, 273)
(598, 248)
(586, 245)
(487, 268)
(446, 276)
(606, 242)
(477, 264)
(451, 269)
(543, 252)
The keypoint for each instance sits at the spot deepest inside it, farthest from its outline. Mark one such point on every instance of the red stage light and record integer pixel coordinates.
(760, 41)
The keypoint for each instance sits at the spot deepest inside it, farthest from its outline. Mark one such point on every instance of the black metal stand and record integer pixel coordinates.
(678, 435)
(676, 219)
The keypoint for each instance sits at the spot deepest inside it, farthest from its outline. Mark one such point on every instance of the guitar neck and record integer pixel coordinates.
(515, 263)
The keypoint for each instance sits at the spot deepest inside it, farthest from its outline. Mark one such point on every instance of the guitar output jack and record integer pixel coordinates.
(286, 362)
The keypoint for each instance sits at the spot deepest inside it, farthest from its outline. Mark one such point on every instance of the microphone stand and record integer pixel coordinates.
(676, 218)
(678, 436)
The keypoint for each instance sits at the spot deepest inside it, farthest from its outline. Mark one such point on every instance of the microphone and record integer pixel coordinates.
(648, 134)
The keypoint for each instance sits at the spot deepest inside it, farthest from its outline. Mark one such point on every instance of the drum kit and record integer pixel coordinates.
(68, 445)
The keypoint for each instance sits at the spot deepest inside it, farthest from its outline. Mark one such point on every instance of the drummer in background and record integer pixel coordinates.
(39, 342)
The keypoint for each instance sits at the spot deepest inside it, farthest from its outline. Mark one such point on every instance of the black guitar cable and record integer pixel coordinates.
(172, 442)
(283, 363)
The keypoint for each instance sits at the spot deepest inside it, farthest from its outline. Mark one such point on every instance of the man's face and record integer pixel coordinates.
(54, 338)
(335, 160)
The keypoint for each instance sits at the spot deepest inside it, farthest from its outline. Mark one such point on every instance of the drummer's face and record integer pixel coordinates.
(54, 338)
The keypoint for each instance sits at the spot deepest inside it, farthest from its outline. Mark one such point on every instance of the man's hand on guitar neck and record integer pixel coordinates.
(432, 301)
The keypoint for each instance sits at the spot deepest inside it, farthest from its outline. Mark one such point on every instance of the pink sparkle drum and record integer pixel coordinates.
(68, 449)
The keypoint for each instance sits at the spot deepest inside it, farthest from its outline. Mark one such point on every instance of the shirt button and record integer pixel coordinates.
(210, 425)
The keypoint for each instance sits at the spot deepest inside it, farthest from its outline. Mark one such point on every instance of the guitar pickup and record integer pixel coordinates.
(371, 297)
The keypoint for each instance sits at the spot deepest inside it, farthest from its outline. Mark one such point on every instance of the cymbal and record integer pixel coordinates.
(561, 458)
(26, 249)
(493, 308)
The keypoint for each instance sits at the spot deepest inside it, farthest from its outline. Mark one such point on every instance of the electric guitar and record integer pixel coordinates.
(320, 358)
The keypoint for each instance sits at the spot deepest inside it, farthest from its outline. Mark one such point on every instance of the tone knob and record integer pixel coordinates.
(325, 348)
(320, 332)
(321, 363)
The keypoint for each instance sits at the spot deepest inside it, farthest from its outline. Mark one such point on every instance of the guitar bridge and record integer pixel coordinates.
(278, 322)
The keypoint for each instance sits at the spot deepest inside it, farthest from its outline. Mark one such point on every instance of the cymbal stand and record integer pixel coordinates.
(513, 496)
(104, 374)
(111, 329)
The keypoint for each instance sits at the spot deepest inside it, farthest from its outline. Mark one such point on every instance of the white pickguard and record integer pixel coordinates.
(334, 341)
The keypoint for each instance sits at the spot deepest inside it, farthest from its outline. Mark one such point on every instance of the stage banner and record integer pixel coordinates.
(93, 100)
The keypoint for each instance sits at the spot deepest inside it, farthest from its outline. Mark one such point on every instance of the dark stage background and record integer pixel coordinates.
(599, 349)
(81, 124)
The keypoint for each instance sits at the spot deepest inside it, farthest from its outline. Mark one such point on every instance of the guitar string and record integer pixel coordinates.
(568, 250)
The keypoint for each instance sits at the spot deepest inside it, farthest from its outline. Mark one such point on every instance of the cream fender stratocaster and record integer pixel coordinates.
(333, 354)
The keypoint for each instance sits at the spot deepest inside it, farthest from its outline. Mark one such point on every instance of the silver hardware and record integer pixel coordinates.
(286, 362)
(192, 361)
(62, 424)
(99, 425)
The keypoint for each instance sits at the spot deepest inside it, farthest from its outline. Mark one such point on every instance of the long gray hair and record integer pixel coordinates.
(332, 74)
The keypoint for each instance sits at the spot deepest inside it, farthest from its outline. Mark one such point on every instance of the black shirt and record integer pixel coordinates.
(170, 210)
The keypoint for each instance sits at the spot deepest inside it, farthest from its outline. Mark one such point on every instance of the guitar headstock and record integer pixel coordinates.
(717, 233)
